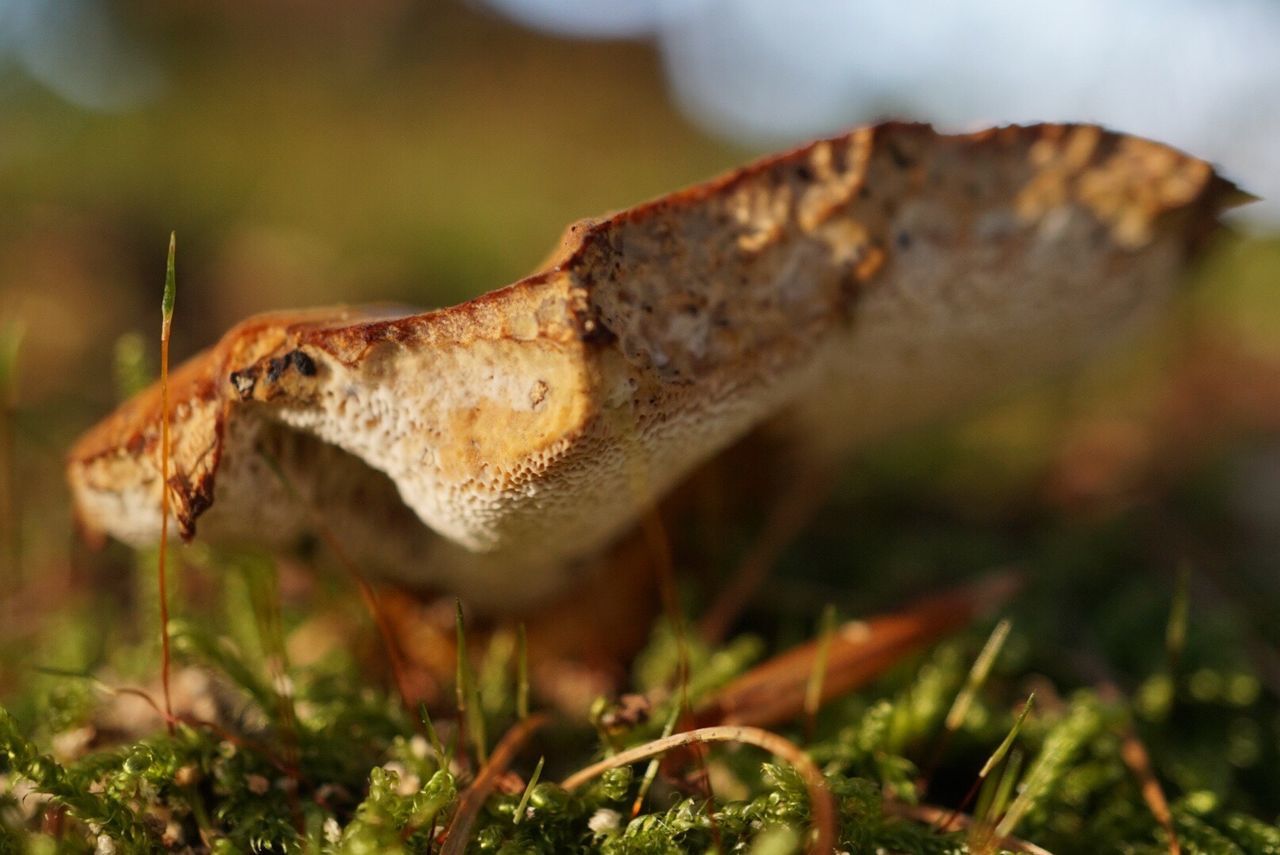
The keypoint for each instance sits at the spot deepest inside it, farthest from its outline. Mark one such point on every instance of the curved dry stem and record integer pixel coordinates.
(459, 833)
(821, 803)
(1134, 754)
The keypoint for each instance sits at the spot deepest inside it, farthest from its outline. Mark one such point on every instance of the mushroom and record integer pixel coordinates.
(828, 296)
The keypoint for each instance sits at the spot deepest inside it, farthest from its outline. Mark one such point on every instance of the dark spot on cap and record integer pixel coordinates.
(305, 364)
(200, 499)
(903, 240)
(275, 368)
(804, 173)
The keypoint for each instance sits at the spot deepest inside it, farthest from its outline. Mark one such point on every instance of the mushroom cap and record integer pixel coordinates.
(831, 294)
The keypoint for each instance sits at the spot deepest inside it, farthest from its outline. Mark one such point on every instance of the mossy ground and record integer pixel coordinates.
(322, 757)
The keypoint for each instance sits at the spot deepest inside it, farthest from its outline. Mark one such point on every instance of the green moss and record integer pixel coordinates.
(363, 781)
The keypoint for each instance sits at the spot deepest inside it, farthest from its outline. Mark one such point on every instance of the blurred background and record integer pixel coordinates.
(322, 152)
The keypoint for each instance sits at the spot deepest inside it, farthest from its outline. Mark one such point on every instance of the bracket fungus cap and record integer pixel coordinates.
(831, 294)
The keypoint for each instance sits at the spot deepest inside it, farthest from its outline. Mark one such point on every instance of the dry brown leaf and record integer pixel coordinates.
(774, 691)
(831, 295)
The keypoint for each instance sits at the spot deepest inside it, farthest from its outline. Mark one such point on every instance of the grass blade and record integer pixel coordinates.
(522, 673)
(162, 580)
(813, 691)
(978, 675)
(528, 791)
(470, 716)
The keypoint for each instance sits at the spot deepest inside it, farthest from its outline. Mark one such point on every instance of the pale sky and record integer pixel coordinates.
(1203, 75)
